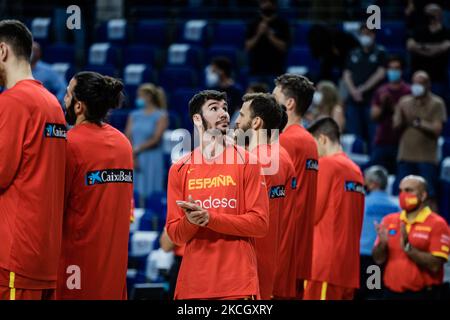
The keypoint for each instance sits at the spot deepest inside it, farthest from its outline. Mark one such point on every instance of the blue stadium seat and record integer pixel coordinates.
(179, 101)
(172, 78)
(135, 74)
(118, 119)
(41, 29)
(446, 130)
(225, 51)
(156, 203)
(103, 54)
(107, 70)
(182, 54)
(193, 32)
(130, 96)
(392, 34)
(446, 148)
(140, 53)
(174, 120)
(60, 52)
(114, 31)
(151, 32)
(229, 33)
(300, 36)
(65, 70)
(301, 56)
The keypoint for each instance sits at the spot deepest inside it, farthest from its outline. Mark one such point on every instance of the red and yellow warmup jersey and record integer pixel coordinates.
(286, 273)
(278, 180)
(339, 216)
(99, 189)
(429, 232)
(32, 164)
(219, 260)
(302, 149)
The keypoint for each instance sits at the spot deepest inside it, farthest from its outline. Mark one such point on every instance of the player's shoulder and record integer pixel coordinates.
(180, 164)
(392, 217)
(437, 220)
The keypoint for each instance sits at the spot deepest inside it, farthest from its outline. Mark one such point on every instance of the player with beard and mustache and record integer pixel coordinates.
(32, 164)
(216, 204)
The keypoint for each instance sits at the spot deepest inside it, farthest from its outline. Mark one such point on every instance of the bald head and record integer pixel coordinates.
(416, 185)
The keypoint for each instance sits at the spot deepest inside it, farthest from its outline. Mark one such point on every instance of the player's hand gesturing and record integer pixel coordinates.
(194, 213)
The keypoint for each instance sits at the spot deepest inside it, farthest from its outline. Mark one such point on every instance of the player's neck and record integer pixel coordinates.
(292, 120)
(333, 149)
(19, 72)
(411, 216)
(258, 139)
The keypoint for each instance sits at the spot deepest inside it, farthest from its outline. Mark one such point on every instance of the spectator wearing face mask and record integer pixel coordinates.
(413, 245)
(429, 46)
(145, 129)
(384, 102)
(364, 71)
(420, 116)
(267, 42)
(327, 103)
(219, 77)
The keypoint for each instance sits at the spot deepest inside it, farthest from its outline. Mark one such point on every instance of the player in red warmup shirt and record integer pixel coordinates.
(32, 164)
(259, 116)
(217, 204)
(98, 195)
(338, 220)
(296, 92)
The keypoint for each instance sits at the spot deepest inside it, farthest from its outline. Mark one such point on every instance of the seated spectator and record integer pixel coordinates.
(267, 42)
(385, 144)
(364, 71)
(43, 72)
(377, 205)
(413, 245)
(429, 46)
(145, 128)
(327, 103)
(219, 77)
(420, 116)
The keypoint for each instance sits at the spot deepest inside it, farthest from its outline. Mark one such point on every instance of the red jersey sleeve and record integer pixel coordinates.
(324, 186)
(440, 240)
(179, 229)
(13, 124)
(254, 222)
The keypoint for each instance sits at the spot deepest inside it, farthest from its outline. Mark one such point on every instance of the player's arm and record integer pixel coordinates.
(13, 125)
(72, 170)
(435, 258)
(179, 229)
(254, 222)
(324, 189)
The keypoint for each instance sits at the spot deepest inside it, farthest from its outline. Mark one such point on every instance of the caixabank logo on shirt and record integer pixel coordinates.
(312, 164)
(109, 176)
(55, 130)
(353, 186)
(277, 192)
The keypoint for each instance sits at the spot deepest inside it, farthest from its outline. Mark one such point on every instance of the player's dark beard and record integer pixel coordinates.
(71, 117)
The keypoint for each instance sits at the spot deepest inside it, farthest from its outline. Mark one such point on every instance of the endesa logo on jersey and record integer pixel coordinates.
(352, 186)
(109, 176)
(312, 164)
(55, 130)
(215, 203)
(277, 192)
(214, 182)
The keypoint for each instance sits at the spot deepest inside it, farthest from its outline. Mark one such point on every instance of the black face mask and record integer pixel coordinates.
(268, 11)
(71, 117)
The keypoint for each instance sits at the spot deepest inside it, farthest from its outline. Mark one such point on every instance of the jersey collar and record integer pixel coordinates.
(420, 218)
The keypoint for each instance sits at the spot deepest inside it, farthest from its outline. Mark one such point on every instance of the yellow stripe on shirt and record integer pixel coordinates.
(323, 292)
(12, 290)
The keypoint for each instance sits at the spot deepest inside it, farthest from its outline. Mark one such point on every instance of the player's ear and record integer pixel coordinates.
(3, 51)
(257, 123)
(290, 104)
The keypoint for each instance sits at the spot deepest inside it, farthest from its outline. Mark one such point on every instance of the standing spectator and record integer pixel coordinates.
(145, 129)
(364, 70)
(338, 218)
(327, 103)
(385, 145)
(44, 73)
(377, 205)
(413, 245)
(219, 77)
(267, 42)
(429, 46)
(421, 117)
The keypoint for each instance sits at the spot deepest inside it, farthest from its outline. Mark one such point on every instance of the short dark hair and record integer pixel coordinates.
(258, 87)
(99, 93)
(199, 99)
(17, 35)
(265, 106)
(326, 126)
(395, 58)
(224, 64)
(298, 88)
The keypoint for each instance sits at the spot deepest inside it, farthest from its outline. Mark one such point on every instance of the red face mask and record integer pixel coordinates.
(408, 201)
